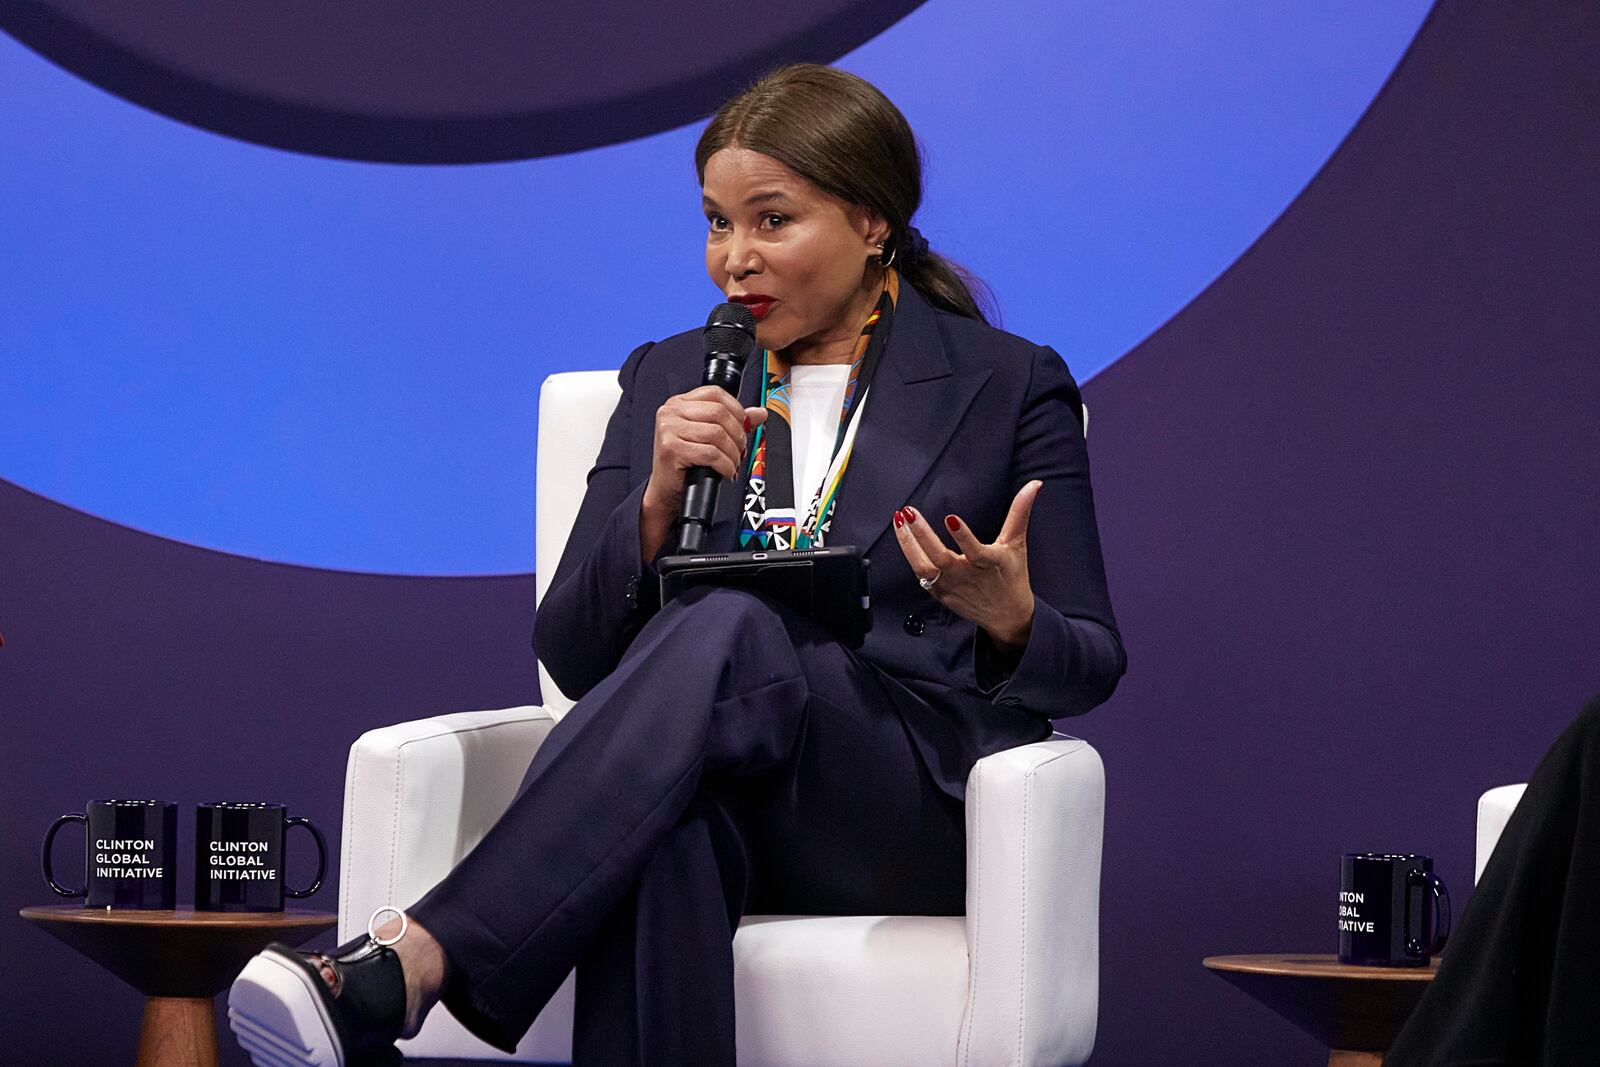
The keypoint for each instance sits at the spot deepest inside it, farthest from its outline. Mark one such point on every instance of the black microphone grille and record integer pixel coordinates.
(732, 315)
(730, 329)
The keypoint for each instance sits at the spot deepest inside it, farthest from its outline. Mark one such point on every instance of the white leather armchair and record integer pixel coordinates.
(1013, 982)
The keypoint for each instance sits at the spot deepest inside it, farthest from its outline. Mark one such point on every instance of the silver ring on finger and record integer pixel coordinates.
(927, 583)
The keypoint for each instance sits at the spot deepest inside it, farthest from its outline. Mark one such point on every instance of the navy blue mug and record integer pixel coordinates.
(239, 856)
(1393, 910)
(129, 857)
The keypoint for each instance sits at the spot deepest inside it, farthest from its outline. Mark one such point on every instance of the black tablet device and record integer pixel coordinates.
(828, 585)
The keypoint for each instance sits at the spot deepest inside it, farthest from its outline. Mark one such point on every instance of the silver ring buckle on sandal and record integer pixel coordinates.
(372, 926)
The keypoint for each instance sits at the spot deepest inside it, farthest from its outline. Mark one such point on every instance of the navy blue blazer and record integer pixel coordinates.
(960, 416)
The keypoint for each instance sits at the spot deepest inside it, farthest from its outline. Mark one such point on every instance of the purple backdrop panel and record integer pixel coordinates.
(437, 81)
(1349, 509)
(137, 666)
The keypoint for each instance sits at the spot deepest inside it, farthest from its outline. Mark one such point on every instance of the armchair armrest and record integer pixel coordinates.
(1494, 811)
(409, 815)
(1035, 819)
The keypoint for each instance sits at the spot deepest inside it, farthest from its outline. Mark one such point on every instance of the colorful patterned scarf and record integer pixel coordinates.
(770, 519)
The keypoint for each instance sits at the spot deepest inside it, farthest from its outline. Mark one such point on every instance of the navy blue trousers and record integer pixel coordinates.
(738, 761)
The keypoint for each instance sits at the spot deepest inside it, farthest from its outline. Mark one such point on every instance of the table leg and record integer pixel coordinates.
(178, 1032)
(1345, 1058)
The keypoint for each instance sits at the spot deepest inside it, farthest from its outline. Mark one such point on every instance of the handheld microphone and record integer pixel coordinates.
(730, 338)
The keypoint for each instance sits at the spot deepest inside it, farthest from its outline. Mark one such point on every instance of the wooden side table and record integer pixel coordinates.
(1356, 1011)
(179, 960)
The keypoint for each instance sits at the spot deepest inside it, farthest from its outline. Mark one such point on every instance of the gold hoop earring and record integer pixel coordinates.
(886, 263)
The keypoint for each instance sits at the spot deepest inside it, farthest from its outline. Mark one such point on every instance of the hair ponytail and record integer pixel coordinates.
(951, 287)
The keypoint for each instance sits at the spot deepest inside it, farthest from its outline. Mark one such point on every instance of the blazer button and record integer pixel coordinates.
(915, 625)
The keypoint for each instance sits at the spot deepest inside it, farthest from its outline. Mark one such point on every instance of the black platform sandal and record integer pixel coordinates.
(286, 1014)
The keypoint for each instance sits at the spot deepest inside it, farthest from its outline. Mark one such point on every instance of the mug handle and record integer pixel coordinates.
(1441, 905)
(50, 839)
(322, 858)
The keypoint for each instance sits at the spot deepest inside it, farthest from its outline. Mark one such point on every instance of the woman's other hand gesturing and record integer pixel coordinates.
(986, 583)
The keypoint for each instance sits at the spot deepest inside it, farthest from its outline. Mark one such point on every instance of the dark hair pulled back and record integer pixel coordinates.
(840, 133)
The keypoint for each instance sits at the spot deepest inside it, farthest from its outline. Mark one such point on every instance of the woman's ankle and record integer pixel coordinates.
(424, 966)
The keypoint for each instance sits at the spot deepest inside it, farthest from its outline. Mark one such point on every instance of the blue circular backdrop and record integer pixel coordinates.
(336, 363)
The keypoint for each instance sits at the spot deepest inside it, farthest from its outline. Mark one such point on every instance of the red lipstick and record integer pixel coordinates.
(759, 303)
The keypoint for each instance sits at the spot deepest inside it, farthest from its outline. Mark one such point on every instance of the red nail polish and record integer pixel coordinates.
(899, 519)
(911, 513)
(952, 522)
(747, 424)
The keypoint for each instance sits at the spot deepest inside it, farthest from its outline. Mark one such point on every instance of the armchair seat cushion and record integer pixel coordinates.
(846, 990)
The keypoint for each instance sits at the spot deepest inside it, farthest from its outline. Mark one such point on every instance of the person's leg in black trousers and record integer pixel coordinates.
(736, 751)
(1519, 982)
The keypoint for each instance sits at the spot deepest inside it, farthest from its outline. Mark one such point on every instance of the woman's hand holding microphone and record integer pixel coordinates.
(985, 583)
(705, 427)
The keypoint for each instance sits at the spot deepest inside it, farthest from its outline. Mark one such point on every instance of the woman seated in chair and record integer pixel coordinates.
(727, 755)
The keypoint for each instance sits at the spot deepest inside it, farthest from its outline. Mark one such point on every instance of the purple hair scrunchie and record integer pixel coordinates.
(913, 246)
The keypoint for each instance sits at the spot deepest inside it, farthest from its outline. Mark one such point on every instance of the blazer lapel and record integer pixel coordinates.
(916, 401)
